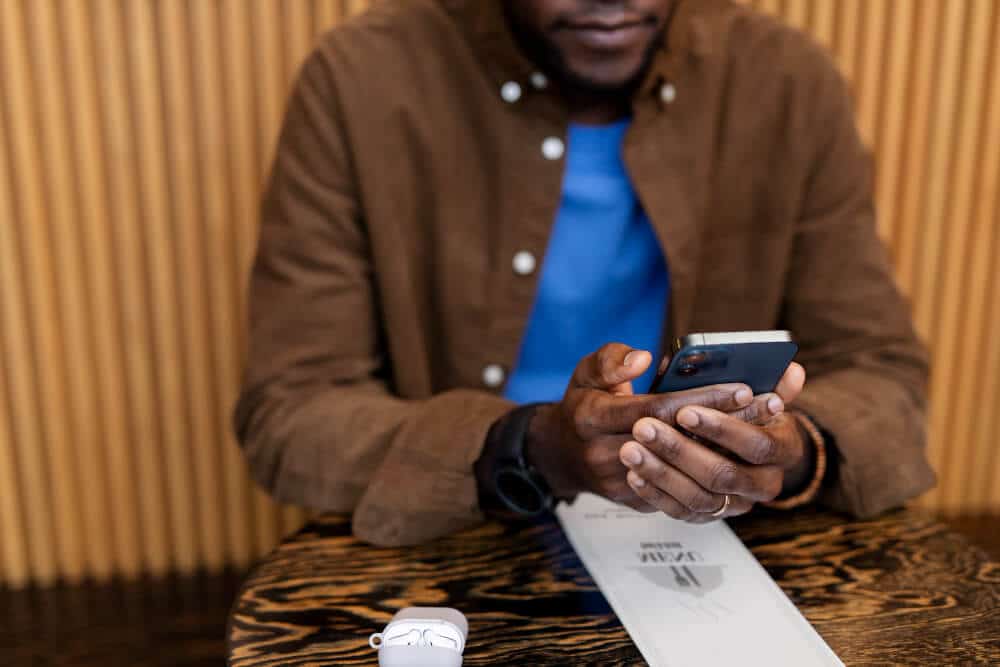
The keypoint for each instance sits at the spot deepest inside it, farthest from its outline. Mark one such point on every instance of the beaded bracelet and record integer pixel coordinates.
(808, 494)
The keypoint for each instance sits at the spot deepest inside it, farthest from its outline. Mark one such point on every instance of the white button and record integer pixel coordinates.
(668, 92)
(493, 376)
(552, 148)
(539, 80)
(510, 91)
(524, 263)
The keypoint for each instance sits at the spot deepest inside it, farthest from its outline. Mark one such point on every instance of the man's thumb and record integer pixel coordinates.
(611, 366)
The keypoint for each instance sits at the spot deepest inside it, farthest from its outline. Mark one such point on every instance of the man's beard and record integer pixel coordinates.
(551, 59)
(547, 55)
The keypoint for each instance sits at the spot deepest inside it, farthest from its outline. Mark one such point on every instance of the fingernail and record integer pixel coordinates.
(775, 405)
(645, 432)
(688, 418)
(636, 481)
(631, 455)
(743, 396)
(630, 357)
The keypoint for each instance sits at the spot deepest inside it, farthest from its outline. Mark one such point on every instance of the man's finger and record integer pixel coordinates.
(763, 408)
(791, 383)
(620, 492)
(617, 414)
(670, 480)
(711, 470)
(610, 367)
(655, 497)
(751, 443)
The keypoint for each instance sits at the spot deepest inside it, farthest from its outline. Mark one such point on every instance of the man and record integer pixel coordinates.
(483, 220)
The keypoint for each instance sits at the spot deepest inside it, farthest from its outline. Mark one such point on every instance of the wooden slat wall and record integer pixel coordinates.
(926, 76)
(134, 135)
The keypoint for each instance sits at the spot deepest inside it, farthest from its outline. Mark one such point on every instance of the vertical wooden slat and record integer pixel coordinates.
(196, 355)
(55, 475)
(132, 286)
(917, 118)
(927, 258)
(15, 571)
(327, 14)
(891, 129)
(158, 243)
(30, 490)
(821, 22)
(941, 161)
(267, 35)
(25, 430)
(768, 6)
(298, 35)
(356, 6)
(871, 47)
(14, 538)
(847, 36)
(247, 166)
(95, 220)
(970, 481)
(952, 287)
(796, 12)
(985, 496)
(217, 220)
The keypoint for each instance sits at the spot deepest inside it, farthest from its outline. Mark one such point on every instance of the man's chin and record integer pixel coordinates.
(602, 81)
(606, 75)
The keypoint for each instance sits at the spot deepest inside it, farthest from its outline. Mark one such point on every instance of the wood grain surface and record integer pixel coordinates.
(900, 589)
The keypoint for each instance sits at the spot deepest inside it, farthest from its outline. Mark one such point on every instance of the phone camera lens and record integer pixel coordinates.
(690, 363)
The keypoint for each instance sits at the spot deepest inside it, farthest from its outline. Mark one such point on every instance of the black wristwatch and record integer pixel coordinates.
(518, 487)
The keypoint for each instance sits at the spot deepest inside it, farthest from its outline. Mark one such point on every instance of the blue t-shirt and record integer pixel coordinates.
(604, 278)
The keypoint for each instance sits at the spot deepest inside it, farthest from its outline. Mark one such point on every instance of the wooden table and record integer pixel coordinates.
(901, 589)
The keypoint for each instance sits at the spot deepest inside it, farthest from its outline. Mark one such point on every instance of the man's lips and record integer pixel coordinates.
(607, 33)
(605, 22)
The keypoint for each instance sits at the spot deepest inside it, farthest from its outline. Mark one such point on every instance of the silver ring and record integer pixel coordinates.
(722, 510)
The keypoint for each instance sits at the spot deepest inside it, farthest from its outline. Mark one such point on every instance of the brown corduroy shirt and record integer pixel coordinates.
(386, 304)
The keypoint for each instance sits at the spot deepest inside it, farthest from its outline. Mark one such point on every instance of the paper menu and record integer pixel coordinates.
(687, 594)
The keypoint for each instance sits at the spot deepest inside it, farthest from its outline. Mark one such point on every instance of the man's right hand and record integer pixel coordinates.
(575, 443)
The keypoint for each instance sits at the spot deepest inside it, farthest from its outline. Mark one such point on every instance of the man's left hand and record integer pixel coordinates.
(687, 480)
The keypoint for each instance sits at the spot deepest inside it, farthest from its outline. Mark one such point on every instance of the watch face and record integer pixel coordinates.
(519, 492)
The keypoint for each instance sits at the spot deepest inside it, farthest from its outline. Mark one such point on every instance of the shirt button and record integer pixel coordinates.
(493, 376)
(524, 263)
(539, 80)
(668, 93)
(510, 91)
(552, 148)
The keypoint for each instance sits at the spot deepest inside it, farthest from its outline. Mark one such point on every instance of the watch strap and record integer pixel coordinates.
(507, 461)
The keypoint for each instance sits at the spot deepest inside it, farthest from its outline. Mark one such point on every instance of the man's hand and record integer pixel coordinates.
(576, 443)
(685, 478)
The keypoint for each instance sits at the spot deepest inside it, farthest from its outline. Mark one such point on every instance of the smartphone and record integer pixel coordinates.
(755, 358)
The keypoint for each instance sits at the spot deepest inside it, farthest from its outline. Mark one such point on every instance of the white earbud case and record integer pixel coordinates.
(422, 637)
